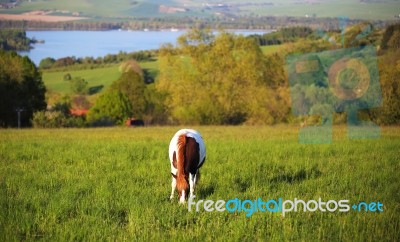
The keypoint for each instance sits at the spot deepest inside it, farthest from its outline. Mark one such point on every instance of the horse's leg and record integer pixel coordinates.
(197, 178)
(192, 183)
(182, 198)
(173, 186)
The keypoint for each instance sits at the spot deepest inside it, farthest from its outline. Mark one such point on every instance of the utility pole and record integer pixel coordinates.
(19, 110)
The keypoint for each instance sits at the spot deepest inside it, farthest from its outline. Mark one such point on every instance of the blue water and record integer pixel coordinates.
(60, 44)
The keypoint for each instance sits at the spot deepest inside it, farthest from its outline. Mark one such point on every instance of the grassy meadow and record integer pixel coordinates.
(114, 184)
(102, 76)
(271, 49)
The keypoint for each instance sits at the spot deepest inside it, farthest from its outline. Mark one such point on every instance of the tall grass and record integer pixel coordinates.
(114, 184)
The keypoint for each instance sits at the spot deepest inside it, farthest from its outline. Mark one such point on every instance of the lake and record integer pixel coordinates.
(60, 44)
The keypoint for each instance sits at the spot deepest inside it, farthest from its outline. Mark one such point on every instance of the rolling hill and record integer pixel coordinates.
(128, 9)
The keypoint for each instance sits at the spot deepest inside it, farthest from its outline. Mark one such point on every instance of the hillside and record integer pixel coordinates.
(128, 9)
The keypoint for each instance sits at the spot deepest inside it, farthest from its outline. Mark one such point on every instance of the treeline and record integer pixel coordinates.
(73, 63)
(284, 35)
(39, 25)
(14, 40)
(246, 22)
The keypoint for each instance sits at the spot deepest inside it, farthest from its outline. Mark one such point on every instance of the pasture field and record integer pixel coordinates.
(113, 184)
(103, 76)
(43, 18)
(271, 49)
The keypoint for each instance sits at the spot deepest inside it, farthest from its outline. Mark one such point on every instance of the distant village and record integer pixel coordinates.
(10, 4)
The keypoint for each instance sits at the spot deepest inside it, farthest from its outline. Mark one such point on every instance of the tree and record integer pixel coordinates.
(213, 79)
(389, 75)
(78, 85)
(47, 63)
(21, 87)
(67, 77)
(113, 107)
(11, 39)
(155, 109)
(390, 37)
(131, 84)
(131, 65)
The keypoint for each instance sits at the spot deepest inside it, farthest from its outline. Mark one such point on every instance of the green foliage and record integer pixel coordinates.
(47, 119)
(131, 85)
(113, 107)
(155, 110)
(63, 106)
(14, 40)
(131, 65)
(47, 63)
(73, 63)
(67, 77)
(56, 119)
(78, 85)
(65, 61)
(361, 34)
(21, 87)
(58, 116)
(389, 112)
(114, 184)
(213, 79)
(391, 37)
(284, 35)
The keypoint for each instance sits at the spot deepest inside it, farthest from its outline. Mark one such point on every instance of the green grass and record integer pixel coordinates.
(114, 183)
(271, 49)
(55, 82)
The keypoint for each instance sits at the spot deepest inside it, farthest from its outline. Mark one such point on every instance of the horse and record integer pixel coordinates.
(187, 153)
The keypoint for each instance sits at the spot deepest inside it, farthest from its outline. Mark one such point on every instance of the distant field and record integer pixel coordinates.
(271, 49)
(374, 10)
(355, 9)
(42, 18)
(54, 81)
(113, 184)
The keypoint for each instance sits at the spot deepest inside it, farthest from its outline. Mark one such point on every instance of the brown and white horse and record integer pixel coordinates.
(187, 154)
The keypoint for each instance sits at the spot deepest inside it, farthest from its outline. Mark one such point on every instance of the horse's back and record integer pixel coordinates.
(191, 134)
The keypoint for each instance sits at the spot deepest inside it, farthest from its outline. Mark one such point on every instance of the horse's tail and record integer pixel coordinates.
(181, 182)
